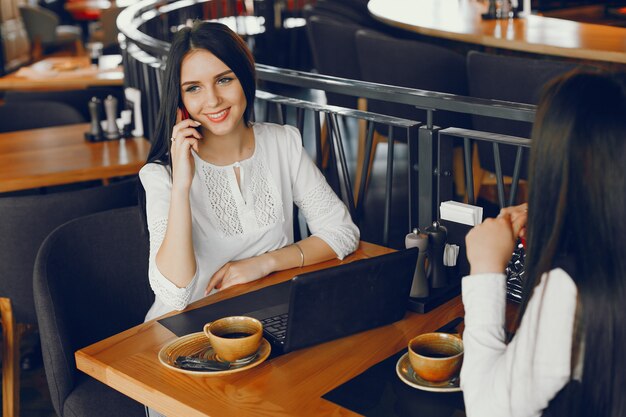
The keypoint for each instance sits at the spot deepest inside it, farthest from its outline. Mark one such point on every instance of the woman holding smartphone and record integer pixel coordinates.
(220, 189)
(567, 356)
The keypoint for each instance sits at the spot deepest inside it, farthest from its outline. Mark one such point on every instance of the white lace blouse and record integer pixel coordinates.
(232, 222)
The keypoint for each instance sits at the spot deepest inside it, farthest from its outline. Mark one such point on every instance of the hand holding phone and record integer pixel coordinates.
(185, 137)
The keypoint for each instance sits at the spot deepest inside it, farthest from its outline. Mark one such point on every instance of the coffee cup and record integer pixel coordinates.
(235, 337)
(436, 357)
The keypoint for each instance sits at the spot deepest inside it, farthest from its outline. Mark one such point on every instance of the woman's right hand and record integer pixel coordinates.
(519, 218)
(185, 137)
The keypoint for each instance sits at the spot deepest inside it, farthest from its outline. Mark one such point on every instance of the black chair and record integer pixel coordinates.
(90, 282)
(37, 114)
(513, 79)
(334, 52)
(26, 221)
(413, 64)
(78, 99)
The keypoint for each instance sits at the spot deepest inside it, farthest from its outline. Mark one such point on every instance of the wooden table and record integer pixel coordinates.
(460, 20)
(60, 155)
(62, 73)
(289, 385)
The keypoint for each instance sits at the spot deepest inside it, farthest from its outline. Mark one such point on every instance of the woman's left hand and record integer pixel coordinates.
(239, 272)
(490, 245)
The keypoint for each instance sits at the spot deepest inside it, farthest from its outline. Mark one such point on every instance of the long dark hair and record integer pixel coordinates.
(225, 45)
(577, 206)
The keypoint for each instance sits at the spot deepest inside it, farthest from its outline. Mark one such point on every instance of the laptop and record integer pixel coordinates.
(318, 306)
(335, 302)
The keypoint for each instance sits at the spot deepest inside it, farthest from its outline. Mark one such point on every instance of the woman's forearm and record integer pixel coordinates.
(314, 250)
(176, 259)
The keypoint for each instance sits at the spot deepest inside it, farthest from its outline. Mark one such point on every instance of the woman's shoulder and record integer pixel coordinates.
(276, 133)
(154, 171)
(558, 283)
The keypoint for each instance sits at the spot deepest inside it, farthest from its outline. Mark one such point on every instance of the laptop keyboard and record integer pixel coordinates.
(276, 326)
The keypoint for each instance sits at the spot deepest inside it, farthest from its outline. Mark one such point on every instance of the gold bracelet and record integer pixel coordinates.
(301, 254)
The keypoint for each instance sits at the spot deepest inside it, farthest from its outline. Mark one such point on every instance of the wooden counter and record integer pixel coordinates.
(460, 20)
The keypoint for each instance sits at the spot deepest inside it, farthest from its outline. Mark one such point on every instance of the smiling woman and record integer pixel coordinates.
(219, 189)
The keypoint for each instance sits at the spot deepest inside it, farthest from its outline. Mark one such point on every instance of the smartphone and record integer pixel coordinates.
(185, 113)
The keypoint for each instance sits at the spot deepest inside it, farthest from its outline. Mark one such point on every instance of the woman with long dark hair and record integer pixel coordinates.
(220, 189)
(567, 357)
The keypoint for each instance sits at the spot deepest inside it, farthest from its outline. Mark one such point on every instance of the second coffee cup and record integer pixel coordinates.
(234, 337)
(436, 357)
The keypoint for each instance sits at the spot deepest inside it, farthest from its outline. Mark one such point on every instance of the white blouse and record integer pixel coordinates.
(518, 379)
(232, 221)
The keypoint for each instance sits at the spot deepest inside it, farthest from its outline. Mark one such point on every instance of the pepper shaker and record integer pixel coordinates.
(437, 235)
(95, 129)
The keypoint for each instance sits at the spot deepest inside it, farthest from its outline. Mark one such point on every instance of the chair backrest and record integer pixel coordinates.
(37, 114)
(14, 41)
(40, 23)
(90, 282)
(25, 223)
(414, 64)
(334, 52)
(508, 78)
(78, 99)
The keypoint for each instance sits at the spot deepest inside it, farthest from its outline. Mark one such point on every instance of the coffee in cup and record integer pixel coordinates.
(436, 357)
(235, 337)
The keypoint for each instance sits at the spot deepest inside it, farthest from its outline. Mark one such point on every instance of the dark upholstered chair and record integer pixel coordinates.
(37, 114)
(45, 31)
(414, 64)
(24, 224)
(334, 52)
(90, 282)
(513, 79)
(77, 99)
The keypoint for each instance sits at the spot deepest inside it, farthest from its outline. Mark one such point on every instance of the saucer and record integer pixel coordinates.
(197, 345)
(409, 377)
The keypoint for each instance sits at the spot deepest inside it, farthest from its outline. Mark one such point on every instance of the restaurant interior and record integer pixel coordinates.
(403, 106)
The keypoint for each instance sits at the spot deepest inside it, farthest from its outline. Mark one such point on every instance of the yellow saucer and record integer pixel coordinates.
(408, 376)
(197, 344)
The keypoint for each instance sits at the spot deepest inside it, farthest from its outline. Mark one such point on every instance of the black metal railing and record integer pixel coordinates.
(146, 24)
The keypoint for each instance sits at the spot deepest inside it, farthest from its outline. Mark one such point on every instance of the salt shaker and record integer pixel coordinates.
(110, 108)
(417, 239)
(437, 235)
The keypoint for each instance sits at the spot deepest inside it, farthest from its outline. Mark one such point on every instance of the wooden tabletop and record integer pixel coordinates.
(62, 73)
(61, 155)
(461, 20)
(289, 385)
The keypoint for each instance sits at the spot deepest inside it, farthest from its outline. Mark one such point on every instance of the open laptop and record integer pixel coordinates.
(335, 302)
(318, 306)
